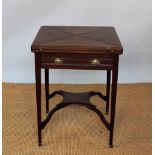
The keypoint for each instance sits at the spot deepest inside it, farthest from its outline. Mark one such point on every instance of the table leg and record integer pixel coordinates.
(38, 94)
(108, 90)
(47, 89)
(113, 98)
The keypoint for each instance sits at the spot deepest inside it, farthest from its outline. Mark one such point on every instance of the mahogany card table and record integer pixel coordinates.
(77, 47)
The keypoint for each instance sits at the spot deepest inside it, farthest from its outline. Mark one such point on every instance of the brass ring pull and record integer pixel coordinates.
(95, 62)
(58, 61)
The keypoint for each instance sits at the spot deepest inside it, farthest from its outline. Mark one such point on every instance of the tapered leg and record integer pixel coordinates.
(113, 99)
(108, 90)
(38, 94)
(47, 89)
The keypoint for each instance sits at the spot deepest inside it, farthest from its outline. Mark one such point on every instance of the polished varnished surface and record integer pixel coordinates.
(68, 47)
(77, 39)
(77, 61)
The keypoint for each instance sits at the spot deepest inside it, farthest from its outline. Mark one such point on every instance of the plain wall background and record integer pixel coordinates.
(22, 19)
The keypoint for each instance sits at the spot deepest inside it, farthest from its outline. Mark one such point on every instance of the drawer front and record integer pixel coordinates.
(74, 61)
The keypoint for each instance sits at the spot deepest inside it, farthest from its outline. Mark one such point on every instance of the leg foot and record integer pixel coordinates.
(111, 146)
(40, 143)
(47, 111)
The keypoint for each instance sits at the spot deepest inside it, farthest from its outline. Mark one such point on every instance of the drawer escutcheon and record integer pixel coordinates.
(58, 61)
(95, 62)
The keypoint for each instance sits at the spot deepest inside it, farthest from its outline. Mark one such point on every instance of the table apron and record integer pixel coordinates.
(81, 62)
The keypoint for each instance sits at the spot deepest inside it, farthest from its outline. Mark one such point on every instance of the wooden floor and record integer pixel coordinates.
(76, 130)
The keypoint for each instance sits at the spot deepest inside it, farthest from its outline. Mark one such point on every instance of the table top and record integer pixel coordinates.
(77, 39)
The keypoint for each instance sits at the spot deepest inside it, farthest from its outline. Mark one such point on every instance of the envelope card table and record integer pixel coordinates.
(77, 47)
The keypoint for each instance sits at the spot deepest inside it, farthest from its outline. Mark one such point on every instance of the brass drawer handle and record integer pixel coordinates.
(58, 61)
(95, 62)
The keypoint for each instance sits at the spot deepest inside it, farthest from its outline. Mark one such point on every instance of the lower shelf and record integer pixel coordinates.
(82, 99)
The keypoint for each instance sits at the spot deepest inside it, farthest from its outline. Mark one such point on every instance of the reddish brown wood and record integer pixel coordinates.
(47, 89)
(73, 39)
(113, 98)
(82, 99)
(77, 61)
(38, 93)
(76, 47)
(108, 90)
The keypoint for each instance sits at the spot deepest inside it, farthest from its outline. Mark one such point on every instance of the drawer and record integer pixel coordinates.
(74, 61)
